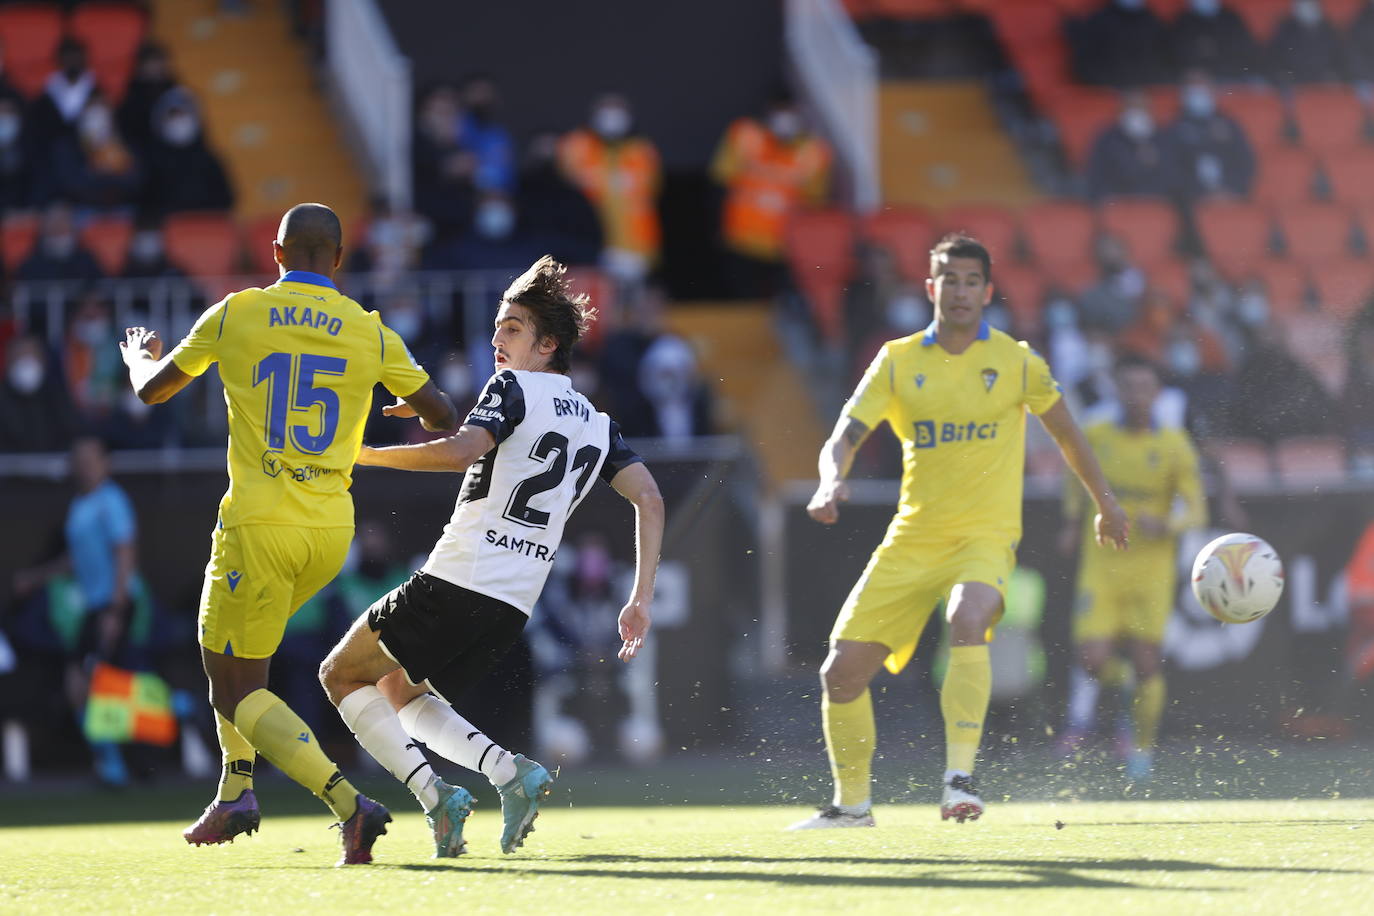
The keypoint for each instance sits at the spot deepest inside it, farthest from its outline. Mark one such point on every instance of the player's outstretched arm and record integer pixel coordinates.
(455, 453)
(155, 378)
(1111, 523)
(836, 457)
(636, 484)
(434, 408)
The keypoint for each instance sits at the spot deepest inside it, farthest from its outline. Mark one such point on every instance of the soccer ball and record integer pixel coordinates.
(1238, 578)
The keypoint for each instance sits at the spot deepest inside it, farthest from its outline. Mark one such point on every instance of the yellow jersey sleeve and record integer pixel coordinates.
(401, 374)
(200, 347)
(1041, 390)
(1188, 486)
(871, 401)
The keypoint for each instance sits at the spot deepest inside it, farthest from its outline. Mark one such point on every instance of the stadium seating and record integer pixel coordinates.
(820, 252)
(1235, 235)
(1259, 112)
(1080, 115)
(1351, 175)
(1317, 233)
(1287, 175)
(1317, 340)
(1344, 287)
(995, 226)
(1172, 278)
(1244, 461)
(910, 9)
(1263, 16)
(205, 245)
(258, 236)
(29, 35)
(1149, 227)
(1058, 232)
(1287, 285)
(1329, 118)
(107, 239)
(1023, 291)
(111, 32)
(18, 234)
(908, 233)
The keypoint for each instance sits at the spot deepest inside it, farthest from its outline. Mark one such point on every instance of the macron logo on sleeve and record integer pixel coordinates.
(234, 577)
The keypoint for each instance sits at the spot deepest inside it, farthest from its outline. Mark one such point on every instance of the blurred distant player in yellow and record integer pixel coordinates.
(1124, 600)
(299, 361)
(956, 396)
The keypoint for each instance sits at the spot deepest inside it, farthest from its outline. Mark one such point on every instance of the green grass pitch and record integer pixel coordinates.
(1105, 858)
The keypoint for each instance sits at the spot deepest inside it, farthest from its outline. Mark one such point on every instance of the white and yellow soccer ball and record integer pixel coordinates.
(1238, 578)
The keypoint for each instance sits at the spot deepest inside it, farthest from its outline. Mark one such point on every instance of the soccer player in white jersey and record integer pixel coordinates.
(530, 448)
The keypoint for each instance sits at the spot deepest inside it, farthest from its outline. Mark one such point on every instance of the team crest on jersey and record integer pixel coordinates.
(989, 378)
(920, 380)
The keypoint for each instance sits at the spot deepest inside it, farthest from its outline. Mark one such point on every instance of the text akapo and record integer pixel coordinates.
(304, 317)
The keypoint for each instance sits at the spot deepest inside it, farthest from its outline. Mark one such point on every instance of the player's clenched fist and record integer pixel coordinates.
(825, 504)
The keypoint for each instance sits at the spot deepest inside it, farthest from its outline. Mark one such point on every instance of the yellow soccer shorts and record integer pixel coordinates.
(1125, 596)
(257, 577)
(904, 582)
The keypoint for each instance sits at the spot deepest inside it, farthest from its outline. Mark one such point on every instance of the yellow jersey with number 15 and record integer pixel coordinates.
(961, 419)
(299, 361)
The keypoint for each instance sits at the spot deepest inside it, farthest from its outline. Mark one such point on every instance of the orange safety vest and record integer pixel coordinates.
(622, 181)
(765, 180)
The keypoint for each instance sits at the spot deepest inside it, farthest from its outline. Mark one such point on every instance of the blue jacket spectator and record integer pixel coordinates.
(442, 170)
(1214, 155)
(482, 135)
(1306, 48)
(1132, 157)
(1209, 36)
(1124, 44)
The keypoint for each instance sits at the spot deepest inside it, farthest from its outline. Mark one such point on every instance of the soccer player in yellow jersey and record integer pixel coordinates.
(956, 396)
(299, 362)
(1124, 600)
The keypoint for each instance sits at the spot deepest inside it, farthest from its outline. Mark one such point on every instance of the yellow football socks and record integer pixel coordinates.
(1147, 710)
(237, 755)
(283, 738)
(964, 703)
(849, 737)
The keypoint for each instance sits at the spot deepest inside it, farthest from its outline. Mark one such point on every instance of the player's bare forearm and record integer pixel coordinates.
(1111, 521)
(453, 454)
(837, 456)
(432, 406)
(637, 485)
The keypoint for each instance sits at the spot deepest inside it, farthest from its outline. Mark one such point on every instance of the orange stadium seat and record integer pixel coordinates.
(1259, 112)
(1287, 175)
(1262, 16)
(1172, 278)
(1044, 70)
(204, 245)
(1149, 227)
(1329, 118)
(1286, 284)
(1316, 233)
(29, 35)
(908, 233)
(1167, 9)
(1023, 290)
(1027, 23)
(1351, 175)
(911, 9)
(1058, 231)
(1344, 287)
(1310, 456)
(1344, 12)
(111, 32)
(1164, 103)
(995, 226)
(17, 237)
(587, 280)
(1080, 115)
(826, 297)
(1236, 235)
(107, 239)
(258, 236)
(820, 250)
(1073, 277)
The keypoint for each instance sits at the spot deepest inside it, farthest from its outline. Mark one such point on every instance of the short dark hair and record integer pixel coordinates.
(557, 311)
(310, 231)
(958, 245)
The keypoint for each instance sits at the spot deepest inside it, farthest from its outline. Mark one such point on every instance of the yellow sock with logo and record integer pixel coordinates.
(283, 738)
(1147, 710)
(237, 755)
(849, 737)
(964, 704)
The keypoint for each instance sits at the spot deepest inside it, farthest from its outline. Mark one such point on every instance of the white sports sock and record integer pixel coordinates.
(429, 719)
(368, 714)
(858, 810)
(1083, 694)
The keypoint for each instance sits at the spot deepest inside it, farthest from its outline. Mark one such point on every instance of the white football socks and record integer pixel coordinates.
(368, 714)
(429, 719)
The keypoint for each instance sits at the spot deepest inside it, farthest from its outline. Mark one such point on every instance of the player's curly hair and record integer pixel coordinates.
(557, 311)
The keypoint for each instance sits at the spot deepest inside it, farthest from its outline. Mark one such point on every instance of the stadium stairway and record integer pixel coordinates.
(760, 394)
(263, 110)
(942, 145)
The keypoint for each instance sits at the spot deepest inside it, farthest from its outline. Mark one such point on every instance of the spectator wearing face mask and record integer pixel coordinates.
(1133, 157)
(35, 409)
(65, 94)
(480, 133)
(442, 170)
(93, 168)
(22, 184)
(1306, 48)
(91, 366)
(59, 255)
(1209, 36)
(768, 169)
(556, 215)
(391, 243)
(495, 241)
(679, 405)
(1124, 44)
(1113, 302)
(620, 173)
(152, 80)
(183, 172)
(1215, 158)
